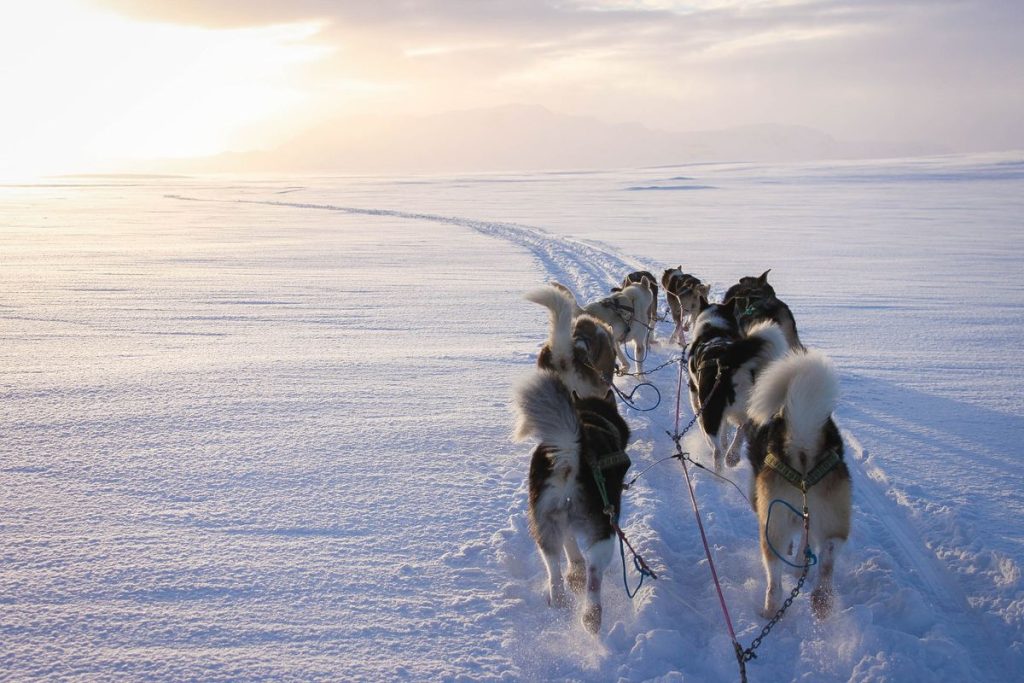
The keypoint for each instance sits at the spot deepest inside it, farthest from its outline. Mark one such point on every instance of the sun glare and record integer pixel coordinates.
(85, 90)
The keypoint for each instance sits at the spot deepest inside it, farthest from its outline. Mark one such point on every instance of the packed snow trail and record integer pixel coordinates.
(648, 638)
(266, 442)
(582, 266)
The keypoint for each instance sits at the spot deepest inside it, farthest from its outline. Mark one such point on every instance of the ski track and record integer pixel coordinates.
(678, 615)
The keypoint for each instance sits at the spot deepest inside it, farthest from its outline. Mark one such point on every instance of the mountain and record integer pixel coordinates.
(522, 137)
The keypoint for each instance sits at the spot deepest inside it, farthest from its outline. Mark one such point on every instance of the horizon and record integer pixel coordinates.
(114, 86)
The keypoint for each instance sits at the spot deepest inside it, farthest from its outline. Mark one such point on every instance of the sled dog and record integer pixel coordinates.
(638, 277)
(723, 366)
(792, 439)
(625, 312)
(577, 436)
(580, 350)
(683, 292)
(754, 300)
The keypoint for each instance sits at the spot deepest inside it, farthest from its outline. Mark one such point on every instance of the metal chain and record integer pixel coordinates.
(811, 560)
(671, 361)
(749, 654)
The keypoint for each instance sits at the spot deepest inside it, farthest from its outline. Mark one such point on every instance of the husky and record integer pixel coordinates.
(638, 276)
(793, 440)
(567, 513)
(754, 300)
(581, 350)
(625, 312)
(723, 366)
(683, 292)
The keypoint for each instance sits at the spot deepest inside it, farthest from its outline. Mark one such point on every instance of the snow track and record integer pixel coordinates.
(901, 614)
(586, 268)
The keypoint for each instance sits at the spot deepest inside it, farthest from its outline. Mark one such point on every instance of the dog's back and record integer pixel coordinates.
(580, 349)
(723, 367)
(754, 300)
(638, 277)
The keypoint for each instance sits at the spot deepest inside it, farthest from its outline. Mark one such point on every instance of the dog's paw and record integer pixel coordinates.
(821, 602)
(576, 578)
(558, 599)
(592, 618)
(771, 605)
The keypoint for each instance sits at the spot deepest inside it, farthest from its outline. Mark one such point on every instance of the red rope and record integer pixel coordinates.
(700, 524)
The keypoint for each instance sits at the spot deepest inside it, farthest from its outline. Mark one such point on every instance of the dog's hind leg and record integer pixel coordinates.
(782, 531)
(620, 352)
(599, 555)
(821, 598)
(732, 454)
(641, 347)
(549, 535)
(576, 577)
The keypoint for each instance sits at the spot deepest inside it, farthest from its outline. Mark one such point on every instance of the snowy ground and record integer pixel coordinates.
(259, 429)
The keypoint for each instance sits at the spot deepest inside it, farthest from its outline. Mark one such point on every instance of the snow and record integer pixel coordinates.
(258, 428)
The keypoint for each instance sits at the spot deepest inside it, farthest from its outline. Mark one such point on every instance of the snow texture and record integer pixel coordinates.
(259, 429)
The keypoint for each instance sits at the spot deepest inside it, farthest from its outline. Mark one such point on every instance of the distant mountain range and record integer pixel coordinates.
(522, 137)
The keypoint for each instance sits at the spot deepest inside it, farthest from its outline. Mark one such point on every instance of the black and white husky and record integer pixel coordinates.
(580, 349)
(754, 301)
(723, 366)
(567, 513)
(792, 439)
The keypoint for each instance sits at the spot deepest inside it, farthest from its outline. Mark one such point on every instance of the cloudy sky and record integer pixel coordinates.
(86, 81)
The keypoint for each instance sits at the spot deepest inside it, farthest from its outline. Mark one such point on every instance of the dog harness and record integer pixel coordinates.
(610, 459)
(801, 481)
(755, 303)
(618, 307)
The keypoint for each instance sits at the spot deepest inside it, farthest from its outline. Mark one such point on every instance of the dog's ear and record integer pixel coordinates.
(616, 289)
(763, 279)
(704, 290)
(610, 397)
(645, 281)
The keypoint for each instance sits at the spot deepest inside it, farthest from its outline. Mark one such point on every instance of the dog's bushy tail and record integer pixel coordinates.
(804, 387)
(545, 411)
(561, 305)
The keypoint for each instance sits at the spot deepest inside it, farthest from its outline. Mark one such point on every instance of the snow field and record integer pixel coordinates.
(254, 436)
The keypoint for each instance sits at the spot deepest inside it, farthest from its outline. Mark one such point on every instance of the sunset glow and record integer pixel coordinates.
(85, 88)
(104, 85)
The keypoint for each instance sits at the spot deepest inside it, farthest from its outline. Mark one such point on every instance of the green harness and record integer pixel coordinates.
(803, 481)
(607, 461)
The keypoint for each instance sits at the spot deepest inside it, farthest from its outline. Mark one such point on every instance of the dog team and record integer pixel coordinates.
(747, 370)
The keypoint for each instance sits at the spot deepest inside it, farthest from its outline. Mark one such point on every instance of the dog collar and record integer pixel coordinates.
(801, 481)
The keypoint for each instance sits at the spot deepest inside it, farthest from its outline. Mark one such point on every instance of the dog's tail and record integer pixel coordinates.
(803, 387)
(774, 341)
(544, 410)
(561, 304)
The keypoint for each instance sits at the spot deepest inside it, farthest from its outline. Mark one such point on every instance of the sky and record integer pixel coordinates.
(88, 83)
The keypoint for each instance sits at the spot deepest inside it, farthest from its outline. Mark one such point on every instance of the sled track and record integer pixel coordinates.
(678, 610)
(587, 268)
